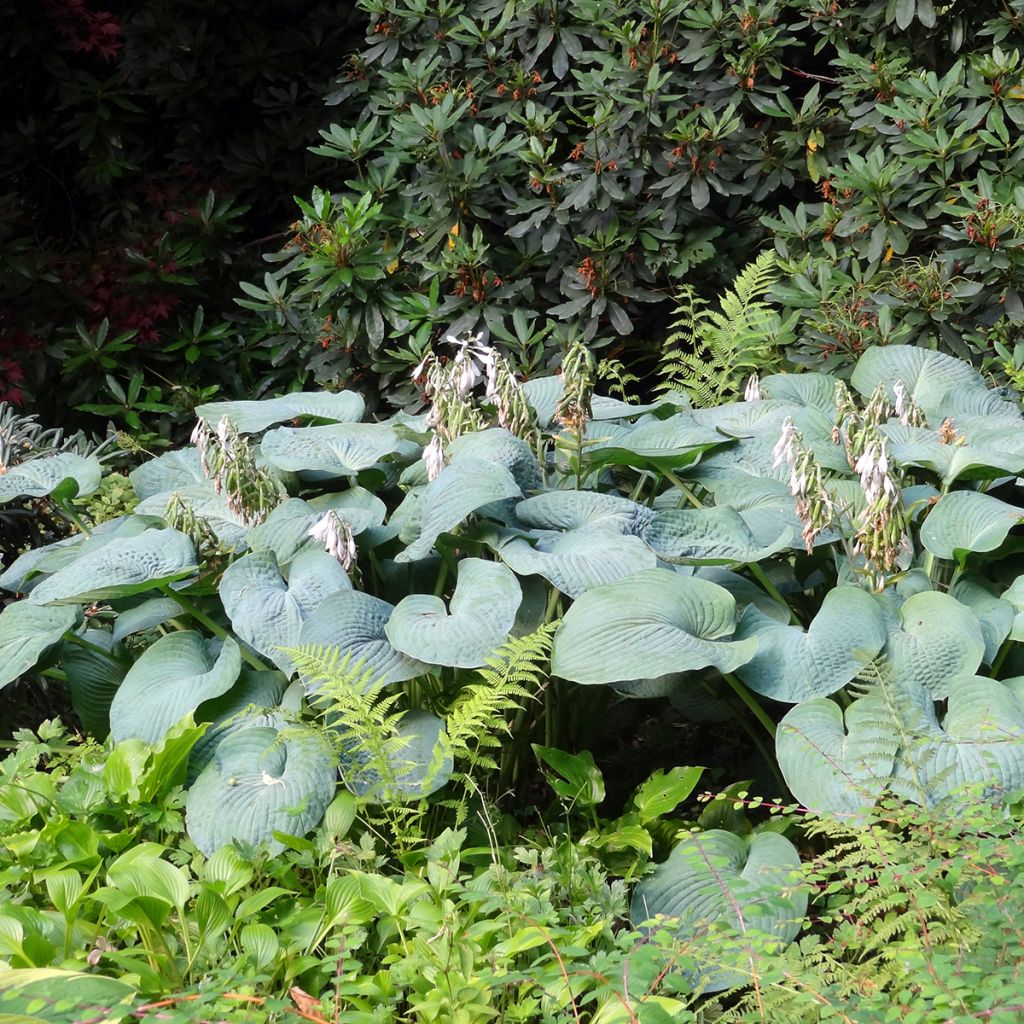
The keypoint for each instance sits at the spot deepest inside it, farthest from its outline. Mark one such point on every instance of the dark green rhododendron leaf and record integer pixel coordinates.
(792, 665)
(154, 612)
(752, 885)
(715, 535)
(459, 490)
(965, 521)
(172, 471)
(483, 609)
(648, 625)
(266, 610)
(169, 681)
(94, 675)
(205, 503)
(254, 417)
(261, 780)
(352, 623)
(121, 568)
(938, 638)
(26, 632)
(63, 476)
(342, 449)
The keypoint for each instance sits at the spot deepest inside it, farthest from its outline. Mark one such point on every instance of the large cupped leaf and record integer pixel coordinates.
(352, 624)
(717, 535)
(647, 625)
(966, 521)
(254, 417)
(802, 389)
(752, 886)
(152, 612)
(169, 681)
(266, 610)
(501, 448)
(792, 665)
(981, 448)
(342, 449)
(483, 609)
(203, 501)
(995, 615)
(63, 476)
(123, 567)
(260, 781)
(26, 633)
(571, 510)
(172, 471)
(459, 490)
(654, 443)
(95, 671)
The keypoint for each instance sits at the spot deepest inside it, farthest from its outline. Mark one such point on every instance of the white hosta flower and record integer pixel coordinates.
(873, 469)
(785, 448)
(336, 536)
(902, 407)
(433, 455)
(201, 439)
(752, 392)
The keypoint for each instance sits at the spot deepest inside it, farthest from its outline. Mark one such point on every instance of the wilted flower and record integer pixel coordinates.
(336, 536)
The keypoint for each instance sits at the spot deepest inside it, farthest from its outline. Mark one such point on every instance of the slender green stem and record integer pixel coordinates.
(442, 578)
(1004, 650)
(552, 605)
(80, 641)
(766, 755)
(74, 517)
(55, 673)
(218, 631)
(678, 483)
(751, 701)
(762, 577)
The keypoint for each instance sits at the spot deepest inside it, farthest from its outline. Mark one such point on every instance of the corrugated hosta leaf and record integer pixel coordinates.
(94, 675)
(261, 780)
(982, 449)
(792, 665)
(171, 471)
(342, 449)
(352, 623)
(995, 615)
(63, 476)
(483, 609)
(119, 569)
(459, 490)
(205, 503)
(170, 680)
(754, 885)
(814, 389)
(255, 417)
(717, 535)
(964, 521)
(26, 632)
(266, 610)
(154, 612)
(500, 448)
(676, 441)
(648, 625)
(570, 510)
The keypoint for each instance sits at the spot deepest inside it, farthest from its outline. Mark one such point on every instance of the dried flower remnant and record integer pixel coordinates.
(579, 373)
(336, 536)
(947, 432)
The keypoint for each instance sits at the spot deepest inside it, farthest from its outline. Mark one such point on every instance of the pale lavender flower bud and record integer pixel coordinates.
(902, 407)
(785, 447)
(433, 455)
(752, 392)
(336, 536)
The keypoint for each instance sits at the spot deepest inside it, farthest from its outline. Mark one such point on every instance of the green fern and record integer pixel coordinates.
(710, 352)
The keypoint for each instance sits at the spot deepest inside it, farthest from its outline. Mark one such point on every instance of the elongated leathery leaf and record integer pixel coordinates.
(64, 476)
(791, 665)
(266, 610)
(254, 417)
(483, 609)
(341, 449)
(458, 491)
(648, 625)
(713, 878)
(121, 568)
(352, 623)
(26, 632)
(260, 781)
(717, 535)
(966, 521)
(170, 680)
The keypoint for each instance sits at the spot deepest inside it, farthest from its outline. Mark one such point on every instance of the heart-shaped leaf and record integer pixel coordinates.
(154, 612)
(715, 878)
(170, 680)
(792, 666)
(966, 521)
(203, 501)
(717, 535)
(266, 610)
(64, 476)
(648, 625)
(483, 609)
(94, 675)
(342, 449)
(670, 443)
(171, 471)
(261, 780)
(26, 632)
(255, 417)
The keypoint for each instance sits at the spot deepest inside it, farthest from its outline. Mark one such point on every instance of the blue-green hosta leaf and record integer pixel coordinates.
(169, 681)
(458, 490)
(205, 503)
(261, 780)
(929, 377)
(266, 610)
(965, 521)
(837, 764)
(501, 448)
(982, 449)
(26, 632)
(939, 638)
(172, 471)
(64, 476)
(154, 612)
(420, 762)
(543, 394)
(648, 625)
(255, 417)
(121, 568)
(715, 535)
(479, 620)
(670, 443)
(995, 615)
(1014, 595)
(570, 510)
(792, 665)
(352, 623)
(702, 700)
(748, 419)
(94, 675)
(745, 592)
(813, 389)
(342, 449)
(752, 885)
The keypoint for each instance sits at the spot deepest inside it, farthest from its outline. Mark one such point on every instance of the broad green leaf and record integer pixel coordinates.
(571, 510)
(154, 612)
(982, 449)
(64, 476)
(664, 791)
(715, 535)
(670, 443)
(171, 471)
(342, 449)
(266, 610)
(966, 521)
(500, 448)
(169, 681)
(119, 569)
(478, 622)
(205, 503)
(648, 625)
(260, 942)
(261, 781)
(578, 781)
(715, 878)
(743, 590)
(140, 873)
(94, 675)
(995, 615)
(792, 665)
(26, 633)
(802, 389)
(255, 417)
(46, 995)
